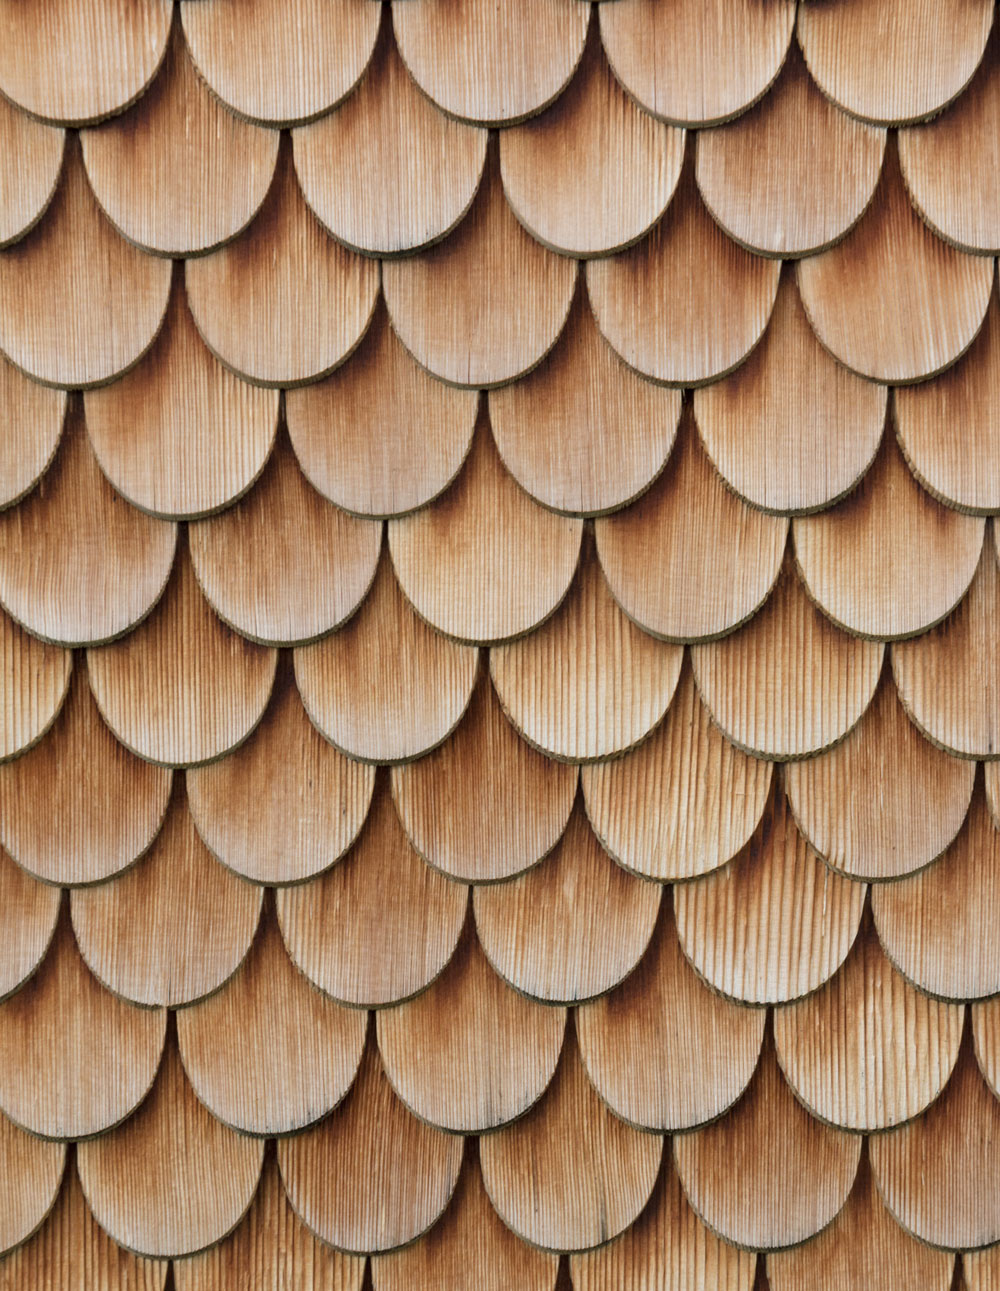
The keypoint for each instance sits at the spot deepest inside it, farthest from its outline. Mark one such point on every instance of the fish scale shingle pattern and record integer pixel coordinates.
(500, 706)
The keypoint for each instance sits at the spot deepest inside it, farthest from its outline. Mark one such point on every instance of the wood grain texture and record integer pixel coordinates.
(28, 913)
(981, 1269)
(685, 581)
(32, 416)
(894, 62)
(370, 1177)
(30, 160)
(179, 175)
(681, 804)
(892, 301)
(34, 680)
(380, 437)
(776, 923)
(767, 1175)
(470, 1054)
(570, 1175)
(588, 683)
(469, 565)
(469, 1242)
(986, 1039)
(285, 805)
(791, 430)
(883, 803)
(283, 304)
(686, 305)
(103, 807)
(387, 172)
(949, 678)
(864, 1246)
(73, 1252)
(380, 925)
(582, 433)
(889, 561)
(180, 436)
(793, 174)
(937, 926)
(950, 165)
(77, 564)
(788, 683)
(486, 305)
(592, 173)
(284, 566)
(484, 805)
(696, 63)
(668, 1248)
(962, 470)
(417, 683)
(488, 62)
(280, 63)
(30, 1173)
(573, 927)
(663, 1051)
(182, 688)
(269, 1054)
(174, 927)
(270, 1248)
(935, 1173)
(991, 777)
(76, 62)
(172, 1180)
(74, 1059)
(848, 1051)
(81, 305)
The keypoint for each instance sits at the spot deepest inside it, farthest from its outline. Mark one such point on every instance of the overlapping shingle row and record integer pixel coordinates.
(492, 742)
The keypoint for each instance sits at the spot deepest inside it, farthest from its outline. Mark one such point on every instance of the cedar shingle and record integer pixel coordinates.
(594, 172)
(174, 927)
(663, 1050)
(572, 927)
(684, 802)
(470, 564)
(588, 683)
(180, 435)
(268, 1053)
(690, 560)
(178, 174)
(182, 688)
(76, 61)
(685, 305)
(695, 63)
(489, 61)
(885, 802)
(81, 305)
(569, 1175)
(791, 430)
(583, 433)
(283, 304)
(484, 306)
(370, 1177)
(103, 806)
(470, 1054)
(280, 61)
(172, 1179)
(387, 172)
(381, 924)
(284, 566)
(75, 1060)
(285, 805)
(892, 301)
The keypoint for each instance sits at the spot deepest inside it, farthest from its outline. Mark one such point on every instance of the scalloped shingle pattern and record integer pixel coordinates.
(500, 621)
